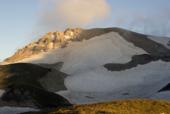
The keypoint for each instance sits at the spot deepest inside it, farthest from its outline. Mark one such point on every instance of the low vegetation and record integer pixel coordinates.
(116, 107)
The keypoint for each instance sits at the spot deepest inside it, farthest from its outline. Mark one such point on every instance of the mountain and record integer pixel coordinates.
(82, 66)
(55, 40)
(58, 40)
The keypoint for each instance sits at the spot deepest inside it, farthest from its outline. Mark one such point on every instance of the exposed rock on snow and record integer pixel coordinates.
(163, 93)
(165, 88)
(136, 60)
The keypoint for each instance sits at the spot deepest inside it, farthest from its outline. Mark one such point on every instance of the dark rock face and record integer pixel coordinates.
(33, 97)
(23, 88)
(90, 33)
(166, 88)
(140, 40)
(136, 60)
(57, 65)
(54, 81)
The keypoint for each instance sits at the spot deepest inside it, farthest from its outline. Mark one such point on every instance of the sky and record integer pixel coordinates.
(24, 21)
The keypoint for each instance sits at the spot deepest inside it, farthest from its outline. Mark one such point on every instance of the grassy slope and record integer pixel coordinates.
(119, 107)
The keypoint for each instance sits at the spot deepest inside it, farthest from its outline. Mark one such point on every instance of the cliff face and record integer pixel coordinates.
(51, 40)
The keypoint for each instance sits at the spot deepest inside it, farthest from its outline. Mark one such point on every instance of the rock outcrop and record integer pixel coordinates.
(51, 40)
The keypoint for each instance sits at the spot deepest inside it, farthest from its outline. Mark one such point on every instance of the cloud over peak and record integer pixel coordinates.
(72, 13)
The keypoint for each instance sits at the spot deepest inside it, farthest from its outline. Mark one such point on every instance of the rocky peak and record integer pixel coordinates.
(49, 41)
(72, 33)
(54, 40)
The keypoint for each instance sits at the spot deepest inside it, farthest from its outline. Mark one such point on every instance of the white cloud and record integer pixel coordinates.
(72, 13)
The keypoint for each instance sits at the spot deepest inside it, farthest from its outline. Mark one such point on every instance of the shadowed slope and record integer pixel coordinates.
(23, 88)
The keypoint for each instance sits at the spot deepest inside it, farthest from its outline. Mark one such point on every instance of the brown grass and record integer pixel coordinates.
(119, 107)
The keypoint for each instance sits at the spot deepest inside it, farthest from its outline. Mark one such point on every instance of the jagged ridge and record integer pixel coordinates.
(54, 40)
(51, 40)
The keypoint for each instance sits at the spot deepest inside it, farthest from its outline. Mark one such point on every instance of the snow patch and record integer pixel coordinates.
(15, 110)
(2, 92)
(162, 96)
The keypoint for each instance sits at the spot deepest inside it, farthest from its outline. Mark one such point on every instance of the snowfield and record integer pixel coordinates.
(90, 82)
(15, 110)
(102, 85)
(162, 95)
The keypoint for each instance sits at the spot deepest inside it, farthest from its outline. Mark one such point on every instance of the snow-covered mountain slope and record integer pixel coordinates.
(88, 54)
(143, 65)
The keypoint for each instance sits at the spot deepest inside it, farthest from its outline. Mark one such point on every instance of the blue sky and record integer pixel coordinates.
(19, 20)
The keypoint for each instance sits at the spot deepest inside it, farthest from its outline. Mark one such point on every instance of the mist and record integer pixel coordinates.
(156, 23)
